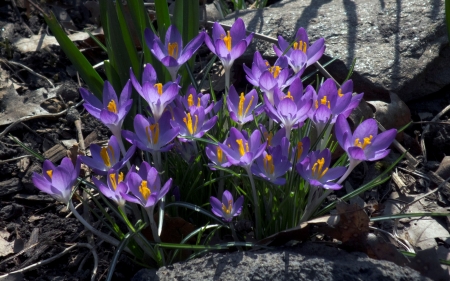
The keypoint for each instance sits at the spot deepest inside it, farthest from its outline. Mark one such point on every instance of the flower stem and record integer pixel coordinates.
(233, 233)
(353, 164)
(153, 225)
(100, 234)
(256, 203)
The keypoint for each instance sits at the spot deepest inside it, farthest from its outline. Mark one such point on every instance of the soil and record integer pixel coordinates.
(28, 216)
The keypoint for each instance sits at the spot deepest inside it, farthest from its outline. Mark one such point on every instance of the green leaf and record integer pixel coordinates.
(447, 17)
(82, 65)
(162, 18)
(409, 215)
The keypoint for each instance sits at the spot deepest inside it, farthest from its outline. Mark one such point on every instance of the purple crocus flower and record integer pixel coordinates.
(292, 109)
(148, 76)
(150, 135)
(194, 99)
(301, 43)
(216, 155)
(365, 144)
(241, 107)
(58, 181)
(112, 111)
(193, 123)
(172, 54)
(301, 150)
(315, 170)
(229, 45)
(328, 103)
(279, 70)
(272, 166)
(242, 151)
(105, 158)
(145, 186)
(158, 96)
(114, 186)
(227, 209)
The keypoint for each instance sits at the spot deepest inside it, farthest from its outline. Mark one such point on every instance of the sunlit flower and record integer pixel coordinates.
(172, 54)
(301, 44)
(272, 166)
(114, 186)
(241, 150)
(227, 209)
(150, 135)
(192, 123)
(148, 76)
(193, 99)
(216, 155)
(229, 45)
(145, 186)
(57, 181)
(105, 158)
(112, 111)
(241, 106)
(158, 96)
(315, 169)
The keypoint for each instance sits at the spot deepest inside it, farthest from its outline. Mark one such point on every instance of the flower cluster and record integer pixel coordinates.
(287, 147)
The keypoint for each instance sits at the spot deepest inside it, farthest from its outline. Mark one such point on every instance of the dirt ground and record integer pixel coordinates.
(38, 226)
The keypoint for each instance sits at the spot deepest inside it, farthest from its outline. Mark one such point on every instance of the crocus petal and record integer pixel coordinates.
(108, 117)
(109, 94)
(41, 183)
(357, 153)
(315, 51)
(91, 99)
(365, 129)
(340, 128)
(216, 206)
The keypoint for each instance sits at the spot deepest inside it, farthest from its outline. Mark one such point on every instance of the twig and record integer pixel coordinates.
(47, 261)
(14, 159)
(398, 239)
(27, 118)
(29, 70)
(427, 129)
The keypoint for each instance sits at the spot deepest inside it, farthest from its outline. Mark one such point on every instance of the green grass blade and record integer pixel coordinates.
(409, 215)
(31, 151)
(162, 17)
(376, 181)
(82, 65)
(412, 255)
(197, 209)
(127, 30)
(447, 17)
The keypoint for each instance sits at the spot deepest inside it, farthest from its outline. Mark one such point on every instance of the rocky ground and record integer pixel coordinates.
(35, 228)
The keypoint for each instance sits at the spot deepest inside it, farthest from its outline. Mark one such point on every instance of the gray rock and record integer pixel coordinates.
(305, 262)
(400, 46)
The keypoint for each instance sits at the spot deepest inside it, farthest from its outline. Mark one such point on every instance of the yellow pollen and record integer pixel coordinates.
(269, 167)
(268, 137)
(227, 40)
(241, 105)
(152, 132)
(159, 87)
(50, 173)
(289, 96)
(317, 169)
(300, 45)
(299, 149)
(188, 121)
(219, 154)
(323, 101)
(340, 94)
(114, 182)
(227, 210)
(172, 48)
(144, 190)
(267, 64)
(242, 150)
(190, 100)
(105, 156)
(367, 140)
(275, 70)
(198, 102)
(112, 106)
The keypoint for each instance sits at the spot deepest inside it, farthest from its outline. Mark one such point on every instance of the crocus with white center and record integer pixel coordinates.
(105, 158)
(241, 106)
(111, 111)
(172, 54)
(227, 209)
(315, 170)
(365, 144)
(58, 181)
(301, 44)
